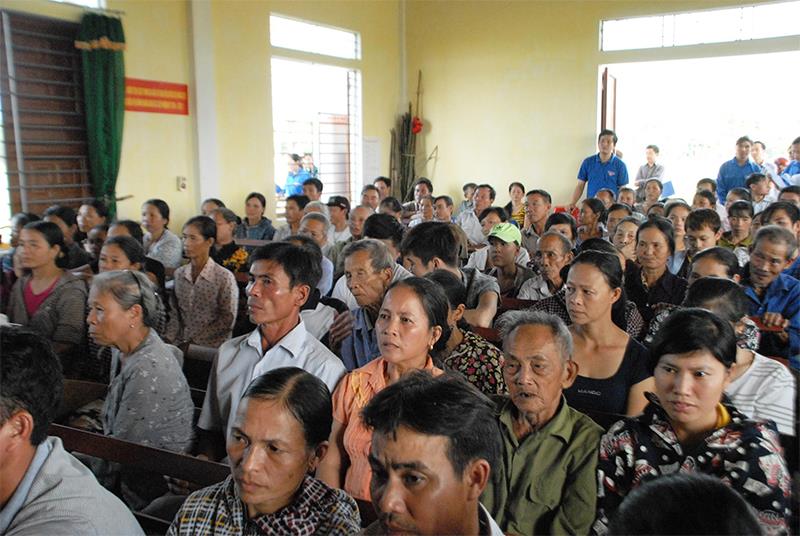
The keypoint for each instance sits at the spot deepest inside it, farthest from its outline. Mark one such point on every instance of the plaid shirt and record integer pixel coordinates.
(218, 510)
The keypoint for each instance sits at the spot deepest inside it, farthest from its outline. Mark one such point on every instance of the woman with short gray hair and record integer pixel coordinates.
(148, 399)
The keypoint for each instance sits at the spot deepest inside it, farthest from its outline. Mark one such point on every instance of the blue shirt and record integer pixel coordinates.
(782, 296)
(361, 346)
(14, 504)
(792, 169)
(294, 183)
(599, 175)
(732, 175)
(794, 268)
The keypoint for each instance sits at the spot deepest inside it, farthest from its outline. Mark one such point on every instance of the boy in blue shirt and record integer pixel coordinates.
(602, 170)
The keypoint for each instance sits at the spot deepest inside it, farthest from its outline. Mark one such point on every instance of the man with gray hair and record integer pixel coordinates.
(369, 269)
(546, 483)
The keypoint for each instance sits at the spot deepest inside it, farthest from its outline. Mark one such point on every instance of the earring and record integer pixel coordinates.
(131, 326)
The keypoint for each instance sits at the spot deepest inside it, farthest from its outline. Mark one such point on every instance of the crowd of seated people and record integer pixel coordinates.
(434, 366)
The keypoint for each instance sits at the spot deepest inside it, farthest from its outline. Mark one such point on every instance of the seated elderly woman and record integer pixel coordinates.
(411, 324)
(48, 299)
(148, 400)
(688, 427)
(614, 367)
(206, 295)
(475, 358)
(547, 479)
(279, 435)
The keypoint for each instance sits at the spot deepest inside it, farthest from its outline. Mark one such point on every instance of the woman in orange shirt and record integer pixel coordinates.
(411, 324)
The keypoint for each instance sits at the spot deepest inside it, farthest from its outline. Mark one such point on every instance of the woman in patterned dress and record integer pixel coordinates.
(688, 427)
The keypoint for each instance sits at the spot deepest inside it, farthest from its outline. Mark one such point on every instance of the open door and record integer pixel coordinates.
(608, 102)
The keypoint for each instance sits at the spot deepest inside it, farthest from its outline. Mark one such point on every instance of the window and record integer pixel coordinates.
(43, 135)
(97, 4)
(700, 27)
(315, 38)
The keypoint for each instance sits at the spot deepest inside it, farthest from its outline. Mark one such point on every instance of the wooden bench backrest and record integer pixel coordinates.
(141, 457)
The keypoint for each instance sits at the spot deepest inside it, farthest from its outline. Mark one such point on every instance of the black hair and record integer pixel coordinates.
(517, 184)
(557, 218)
(741, 208)
(544, 194)
(54, 237)
(368, 187)
(744, 139)
(392, 204)
(791, 189)
(790, 209)
(492, 193)
(754, 178)
(605, 191)
(671, 205)
(434, 302)
(214, 200)
(308, 244)
(653, 147)
(723, 297)
(431, 239)
(260, 197)
(500, 211)
(305, 396)
(469, 185)
(796, 140)
(723, 256)
(99, 207)
(30, 378)
(761, 143)
(741, 193)
(619, 206)
(664, 226)
(426, 182)
(710, 196)
(657, 181)
(597, 244)
(131, 247)
(703, 217)
(207, 226)
(597, 207)
(134, 229)
(710, 182)
(296, 157)
(607, 262)
(161, 206)
(64, 213)
(692, 329)
(446, 198)
(385, 180)
(446, 406)
(774, 234)
(295, 261)
(608, 132)
(452, 285)
(384, 227)
(316, 183)
(654, 206)
(300, 200)
(23, 218)
(679, 504)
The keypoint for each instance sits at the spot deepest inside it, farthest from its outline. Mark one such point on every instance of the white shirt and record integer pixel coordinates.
(340, 236)
(471, 226)
(240, 360)
(534, 288)
(477, 259)
(318, 320)
(765, 391)
(342, 292)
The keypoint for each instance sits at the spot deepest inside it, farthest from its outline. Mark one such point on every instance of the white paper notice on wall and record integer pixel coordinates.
(372, 159)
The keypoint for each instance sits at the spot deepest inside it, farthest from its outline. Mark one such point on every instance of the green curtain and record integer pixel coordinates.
(102, 42)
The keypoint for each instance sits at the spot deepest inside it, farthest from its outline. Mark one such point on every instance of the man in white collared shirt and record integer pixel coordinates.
(468, 220)
(282, 277)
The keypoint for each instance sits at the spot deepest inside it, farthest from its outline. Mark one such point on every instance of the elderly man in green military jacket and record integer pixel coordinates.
(546, 483)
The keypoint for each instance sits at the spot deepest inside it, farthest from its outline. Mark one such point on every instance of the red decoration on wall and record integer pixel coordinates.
(416, 125)
(156, 97)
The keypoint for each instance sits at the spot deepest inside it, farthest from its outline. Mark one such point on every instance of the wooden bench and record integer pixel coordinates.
(142, 458)
(197, 362)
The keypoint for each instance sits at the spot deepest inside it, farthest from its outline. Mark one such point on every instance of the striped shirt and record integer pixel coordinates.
(218, 510)
(765, 392)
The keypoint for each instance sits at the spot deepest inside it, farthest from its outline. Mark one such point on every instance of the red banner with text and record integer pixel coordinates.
(156, 97)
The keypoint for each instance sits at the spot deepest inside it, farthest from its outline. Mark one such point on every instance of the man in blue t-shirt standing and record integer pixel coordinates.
(602, 170)
(734, 172)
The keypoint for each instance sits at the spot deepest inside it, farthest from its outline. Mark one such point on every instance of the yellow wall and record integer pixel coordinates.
(242, 65)
(157, 148)
(510, 89)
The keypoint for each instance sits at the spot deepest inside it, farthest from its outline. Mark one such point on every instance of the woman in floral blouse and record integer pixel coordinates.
(687, 427)
(474, 357)
(225, 251)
